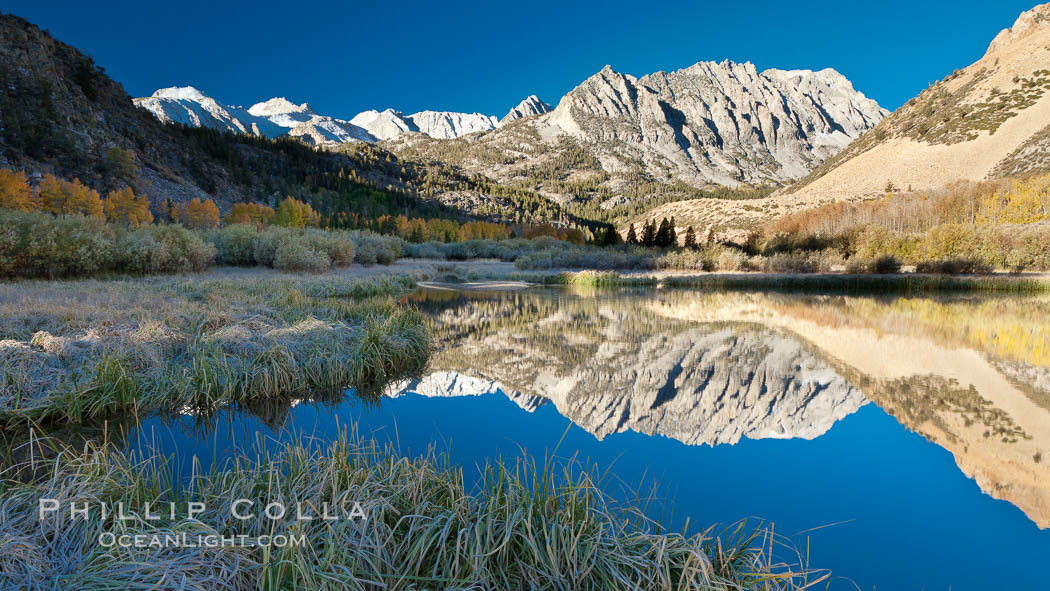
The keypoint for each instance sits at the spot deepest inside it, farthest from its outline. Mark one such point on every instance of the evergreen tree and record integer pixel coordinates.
(663, 234)
(672, 234)
(649, 233)
(690, 238)
(632, 238)
(608, 237)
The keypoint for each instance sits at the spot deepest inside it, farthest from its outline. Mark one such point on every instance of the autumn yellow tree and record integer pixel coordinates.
(15, 192)
(59, 196)
(1020, 202)
(123, 206)
(295, 214)
(250, 213)
(196, 214)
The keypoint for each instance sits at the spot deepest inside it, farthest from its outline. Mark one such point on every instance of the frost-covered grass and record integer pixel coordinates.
(522, 527)
(83, 351)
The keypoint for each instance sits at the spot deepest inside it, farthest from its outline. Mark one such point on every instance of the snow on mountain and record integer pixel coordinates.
(303, 123)
(385, 124)
(279, 106)
(445, 125)
(189, 106)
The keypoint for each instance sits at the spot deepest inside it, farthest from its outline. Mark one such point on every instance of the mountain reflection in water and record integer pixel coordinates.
(971, 374)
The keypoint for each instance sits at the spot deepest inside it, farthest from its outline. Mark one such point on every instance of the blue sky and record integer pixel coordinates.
(345, 57)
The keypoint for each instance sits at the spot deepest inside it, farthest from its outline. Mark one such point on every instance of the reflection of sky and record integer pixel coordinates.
(907, 517)
(899, 513)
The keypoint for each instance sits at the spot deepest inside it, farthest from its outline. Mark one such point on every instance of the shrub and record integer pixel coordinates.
(886, 263)
(732, 260)
(37, 244)
(425, 250)
(881, 264)
(294, 255)
(954, 266)
(338, 247)
(186, 250)
(234, 245)
(366, 254)
(373, 248)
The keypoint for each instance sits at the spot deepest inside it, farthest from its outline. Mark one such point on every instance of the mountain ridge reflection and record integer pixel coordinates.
(968, 374)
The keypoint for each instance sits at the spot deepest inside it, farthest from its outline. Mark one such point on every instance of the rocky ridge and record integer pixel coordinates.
(530, 107)
(724, 123)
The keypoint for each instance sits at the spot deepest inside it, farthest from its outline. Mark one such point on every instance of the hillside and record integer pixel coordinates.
(989, 120)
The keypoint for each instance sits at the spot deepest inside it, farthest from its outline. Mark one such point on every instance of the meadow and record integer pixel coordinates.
(85, 351)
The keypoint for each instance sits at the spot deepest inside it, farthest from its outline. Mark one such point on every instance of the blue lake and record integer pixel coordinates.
(893, 440)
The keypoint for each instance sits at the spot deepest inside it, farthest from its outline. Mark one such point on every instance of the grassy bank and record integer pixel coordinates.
(520, 528)
(898, 283)
(82, 351)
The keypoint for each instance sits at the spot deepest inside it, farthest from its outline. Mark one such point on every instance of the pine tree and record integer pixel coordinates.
(663, 235)
(672, 234)
(632, 238)
(649, 233)
(611, 238)
(690, 238)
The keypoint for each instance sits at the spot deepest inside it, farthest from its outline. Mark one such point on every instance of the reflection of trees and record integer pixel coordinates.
(917, 400)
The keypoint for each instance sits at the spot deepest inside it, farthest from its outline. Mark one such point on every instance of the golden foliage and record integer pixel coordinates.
(250, 213)
(58, 196)
(196, 214)
(1019, 202)
(123, 206)
(1010, 201)
(295, 214)
(15, 192)
(483, 230)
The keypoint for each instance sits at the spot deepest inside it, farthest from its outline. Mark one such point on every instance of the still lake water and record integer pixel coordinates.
(905, 441)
